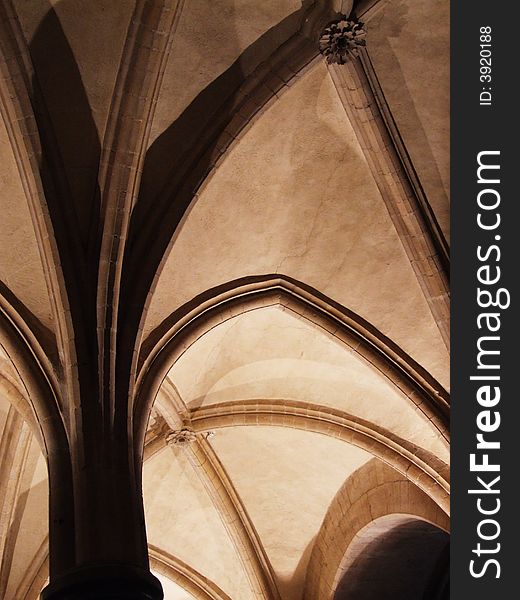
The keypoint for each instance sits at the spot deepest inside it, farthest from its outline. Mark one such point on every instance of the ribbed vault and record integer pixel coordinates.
(224, 288)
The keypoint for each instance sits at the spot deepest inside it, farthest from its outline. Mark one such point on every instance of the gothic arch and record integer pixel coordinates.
(177, 333)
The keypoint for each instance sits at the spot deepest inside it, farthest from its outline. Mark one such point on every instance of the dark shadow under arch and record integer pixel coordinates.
(395, 557)
(372, 501)
(184, 155)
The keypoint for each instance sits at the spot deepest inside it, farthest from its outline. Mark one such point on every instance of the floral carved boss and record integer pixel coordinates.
(342, 40)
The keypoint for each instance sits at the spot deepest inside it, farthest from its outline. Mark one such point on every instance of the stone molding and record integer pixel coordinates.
(423, 469)
(415, 223)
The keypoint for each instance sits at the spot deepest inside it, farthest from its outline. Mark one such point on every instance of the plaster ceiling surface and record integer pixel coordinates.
(75, 48)
(210, 37)
(286, 479)
(21, 268)
(295, 196)
(92, 33)
(171, 590)
(415, 86)
(269, 353)
(182, 520)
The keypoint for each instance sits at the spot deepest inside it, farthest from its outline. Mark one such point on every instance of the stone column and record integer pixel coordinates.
(110, 554)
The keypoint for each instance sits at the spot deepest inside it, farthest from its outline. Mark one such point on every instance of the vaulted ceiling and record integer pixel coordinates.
(274, 299)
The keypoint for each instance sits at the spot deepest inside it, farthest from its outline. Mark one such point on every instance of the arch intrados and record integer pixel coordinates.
(375, 490)
(395, 519)
(421, 543)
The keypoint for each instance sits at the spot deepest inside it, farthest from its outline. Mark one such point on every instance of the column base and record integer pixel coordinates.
(107, 582)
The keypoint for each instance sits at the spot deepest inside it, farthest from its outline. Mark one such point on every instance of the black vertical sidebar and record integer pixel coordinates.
(485, 247)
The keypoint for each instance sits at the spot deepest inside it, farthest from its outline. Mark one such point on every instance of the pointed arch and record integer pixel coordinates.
(187, 324)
